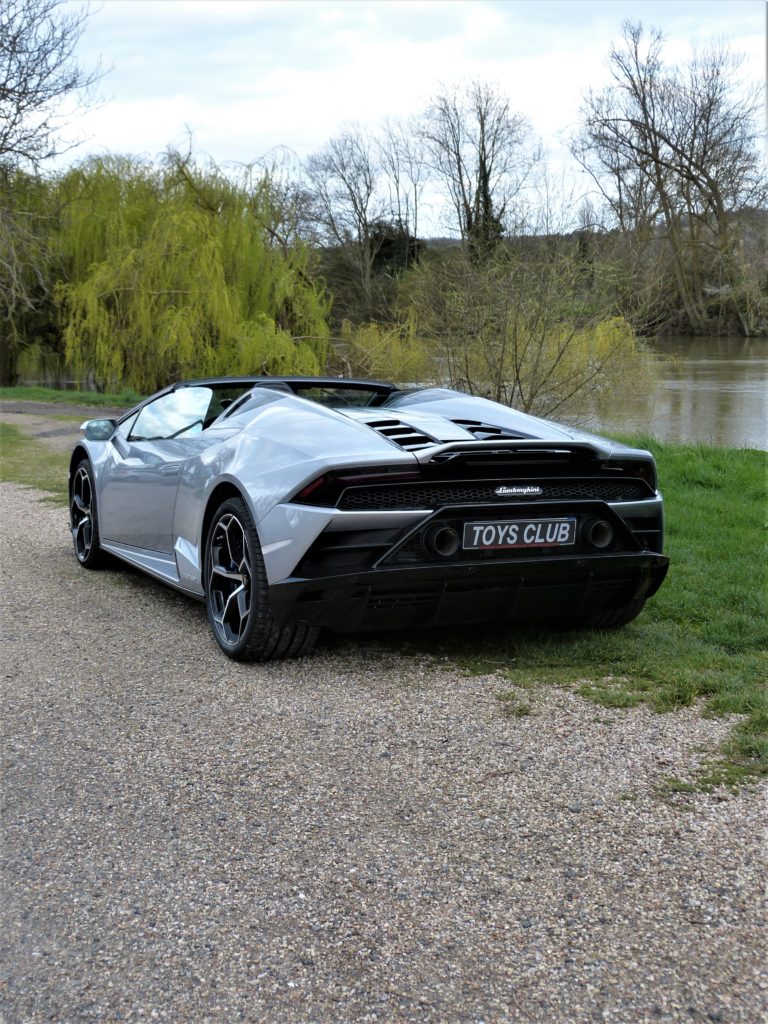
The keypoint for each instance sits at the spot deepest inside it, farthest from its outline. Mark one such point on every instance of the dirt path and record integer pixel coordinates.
(58, 425)
(357, 836)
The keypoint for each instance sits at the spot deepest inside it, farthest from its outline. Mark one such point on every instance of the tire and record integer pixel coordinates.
(237, 596)
(83, 521)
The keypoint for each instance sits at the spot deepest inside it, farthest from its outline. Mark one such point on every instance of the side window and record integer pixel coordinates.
(181, 413)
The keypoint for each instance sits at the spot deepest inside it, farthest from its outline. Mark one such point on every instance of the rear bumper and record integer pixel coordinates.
(519, 590)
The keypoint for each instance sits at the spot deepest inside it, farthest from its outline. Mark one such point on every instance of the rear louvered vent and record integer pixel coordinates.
(486, 431)
(406, 437)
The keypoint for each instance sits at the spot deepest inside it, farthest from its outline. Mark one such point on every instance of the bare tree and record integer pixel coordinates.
(38, 70)
(480, 153)
(674, 152)
(403, 161)
(344, 179)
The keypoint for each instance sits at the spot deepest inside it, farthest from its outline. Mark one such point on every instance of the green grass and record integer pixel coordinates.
(125, 399)
(702, 639)
(24, 460)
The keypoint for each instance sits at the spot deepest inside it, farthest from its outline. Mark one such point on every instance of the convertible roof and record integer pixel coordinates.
(296, 384)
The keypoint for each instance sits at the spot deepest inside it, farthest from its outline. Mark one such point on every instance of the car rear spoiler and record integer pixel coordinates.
(496, 449)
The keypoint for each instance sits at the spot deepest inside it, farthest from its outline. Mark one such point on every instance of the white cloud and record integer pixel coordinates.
(250, 76)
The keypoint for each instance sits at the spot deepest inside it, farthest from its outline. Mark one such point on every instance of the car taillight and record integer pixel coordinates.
(305, 493)
(326, 489)
(641, 468)
(378, 478)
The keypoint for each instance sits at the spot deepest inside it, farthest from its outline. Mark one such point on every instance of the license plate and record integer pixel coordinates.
(520, 533)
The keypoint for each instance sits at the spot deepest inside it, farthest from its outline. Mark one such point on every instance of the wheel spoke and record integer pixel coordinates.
(229, 579)
(226, 574)
(243, 602)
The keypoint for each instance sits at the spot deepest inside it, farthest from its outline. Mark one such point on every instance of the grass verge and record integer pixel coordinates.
(126, 398)
(24, 460)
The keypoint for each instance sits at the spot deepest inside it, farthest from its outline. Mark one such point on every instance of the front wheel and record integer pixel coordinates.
(237, 596)
(82, 518)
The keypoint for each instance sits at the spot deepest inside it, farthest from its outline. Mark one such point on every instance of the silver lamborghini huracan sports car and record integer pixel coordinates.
(288, 504)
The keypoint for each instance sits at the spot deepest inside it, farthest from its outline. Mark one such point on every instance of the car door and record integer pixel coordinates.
(140, 476)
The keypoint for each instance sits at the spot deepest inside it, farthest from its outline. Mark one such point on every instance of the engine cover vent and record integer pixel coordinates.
(487, 431)
(405, 436)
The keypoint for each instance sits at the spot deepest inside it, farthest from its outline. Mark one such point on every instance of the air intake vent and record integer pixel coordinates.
(487, 431)
(403, 435)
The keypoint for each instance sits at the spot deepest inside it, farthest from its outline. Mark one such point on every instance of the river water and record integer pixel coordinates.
(707, 390)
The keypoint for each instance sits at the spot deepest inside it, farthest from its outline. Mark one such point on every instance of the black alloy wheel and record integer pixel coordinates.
(82, 517)
(237, 596)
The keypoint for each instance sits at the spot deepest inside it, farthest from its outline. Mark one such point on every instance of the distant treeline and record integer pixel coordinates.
(138, 273)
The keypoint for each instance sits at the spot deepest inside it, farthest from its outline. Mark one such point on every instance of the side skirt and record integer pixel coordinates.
(161, 567)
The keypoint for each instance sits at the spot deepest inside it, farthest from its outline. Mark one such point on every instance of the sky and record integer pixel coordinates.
(247, 76)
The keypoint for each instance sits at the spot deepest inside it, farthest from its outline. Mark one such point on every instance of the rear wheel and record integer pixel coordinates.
(237, 596)
(82, 518)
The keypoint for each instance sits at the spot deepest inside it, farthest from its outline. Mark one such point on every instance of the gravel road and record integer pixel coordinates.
(361, 835)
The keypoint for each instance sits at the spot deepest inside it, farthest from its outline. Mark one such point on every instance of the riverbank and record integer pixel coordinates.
(702, 390)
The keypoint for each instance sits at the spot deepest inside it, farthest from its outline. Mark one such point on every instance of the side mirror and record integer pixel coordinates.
(99, 430)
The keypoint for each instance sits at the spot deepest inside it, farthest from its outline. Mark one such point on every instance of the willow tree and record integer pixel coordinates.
(175, 272)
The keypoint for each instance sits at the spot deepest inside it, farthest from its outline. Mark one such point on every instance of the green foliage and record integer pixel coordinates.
(374, 350)
(175, 273)
(521, 327)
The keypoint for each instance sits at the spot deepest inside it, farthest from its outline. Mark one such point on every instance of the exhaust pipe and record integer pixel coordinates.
(598, 533)
(443, 541)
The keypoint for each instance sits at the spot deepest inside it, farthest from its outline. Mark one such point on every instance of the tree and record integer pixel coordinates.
(343, 177)
(520, 326)
(673, 152)
(403, 162)
(480, 153)
(177, 271)
(38, 70)
(26, 217)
